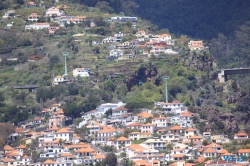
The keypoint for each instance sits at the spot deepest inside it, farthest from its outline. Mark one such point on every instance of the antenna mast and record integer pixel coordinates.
(65, 54)
(166, 84)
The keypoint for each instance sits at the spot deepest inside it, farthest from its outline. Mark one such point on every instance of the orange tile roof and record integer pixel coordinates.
(212, 145)
(21, 147)
(13, 153)
(107, 129)
(100, 156)
(19, 130)
(222, 151)
(59, 112)
(241, 133)
(53, 128)
(186, 114)
(134, 133)
(48, 161)
(63, 130)
(85, 150)
(94, 123)
(196, 137)
(6, 160)
(176, 127)
(122, 139)
(190, 129)
(134, 124)
(67, 154)
(200, 159)
(146, 163)
(120, 109)
(144, 115)
(160, 118)
(178, 155)
(25, 157)
(210, 150)
(7, 148)
(244, 151)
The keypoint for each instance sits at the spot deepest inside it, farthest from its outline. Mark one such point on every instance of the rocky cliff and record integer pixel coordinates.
(143, 74)
(215, 115)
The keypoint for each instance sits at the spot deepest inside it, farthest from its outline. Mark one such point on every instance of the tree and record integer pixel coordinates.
(110, 160)
(99, 21)
(72, 109)
(96, 49)
(54, 59)
(104, 6)
(109, 112)
(109, 85)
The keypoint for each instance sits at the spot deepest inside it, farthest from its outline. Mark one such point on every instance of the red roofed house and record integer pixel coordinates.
(195, 45)
(106, 133)
(210, 153)
(122, 142)
(161, 121)
(147, 128)
(119, 111)
(240, 136)
(56, 119)
(244, 152)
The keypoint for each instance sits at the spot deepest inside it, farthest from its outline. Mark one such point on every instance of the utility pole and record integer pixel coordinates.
(166, 78)
(65, 54)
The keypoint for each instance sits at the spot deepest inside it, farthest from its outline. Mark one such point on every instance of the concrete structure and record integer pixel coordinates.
(81, 72)
(223, 74)
(33, 17)
(37, 26)
(124, 19)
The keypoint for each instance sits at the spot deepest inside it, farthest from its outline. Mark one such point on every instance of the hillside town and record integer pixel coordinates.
(169, 134)
(166, 134)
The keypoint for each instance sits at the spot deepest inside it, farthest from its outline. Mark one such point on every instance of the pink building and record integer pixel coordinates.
(56, 119)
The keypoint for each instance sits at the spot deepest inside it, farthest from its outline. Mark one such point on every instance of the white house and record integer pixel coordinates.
(81, 72)
(122, 142)
(101, 110)
(147, 128)
(196, 45)
(116, 53)
(156, 143)
(64, 134)
(119, 111)
(174, 107)
(58, 80)
(37, 26)
(123, 19)
(53, 11)
(161, 121)
(33, 17)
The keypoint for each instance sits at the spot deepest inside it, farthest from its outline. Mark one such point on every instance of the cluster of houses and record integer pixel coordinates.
(147, 137)
(146, 44)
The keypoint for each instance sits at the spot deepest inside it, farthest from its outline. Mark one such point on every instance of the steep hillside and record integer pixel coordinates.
(201, 19)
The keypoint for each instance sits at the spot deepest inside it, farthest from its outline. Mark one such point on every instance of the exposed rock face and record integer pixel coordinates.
(200, 62)
(216, 115)
(143, 74)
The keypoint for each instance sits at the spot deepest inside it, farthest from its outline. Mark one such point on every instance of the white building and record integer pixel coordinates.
(196, 45)
(53, 11)
(161, 122)
(81, 72)
(123, 19)
(33, 17)
(58, 80)
(64, 134)
(116, 53)
(100, 110)
(37, 26)
(174, 107)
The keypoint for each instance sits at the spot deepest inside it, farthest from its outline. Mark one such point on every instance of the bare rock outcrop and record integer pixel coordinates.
(214, 115)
